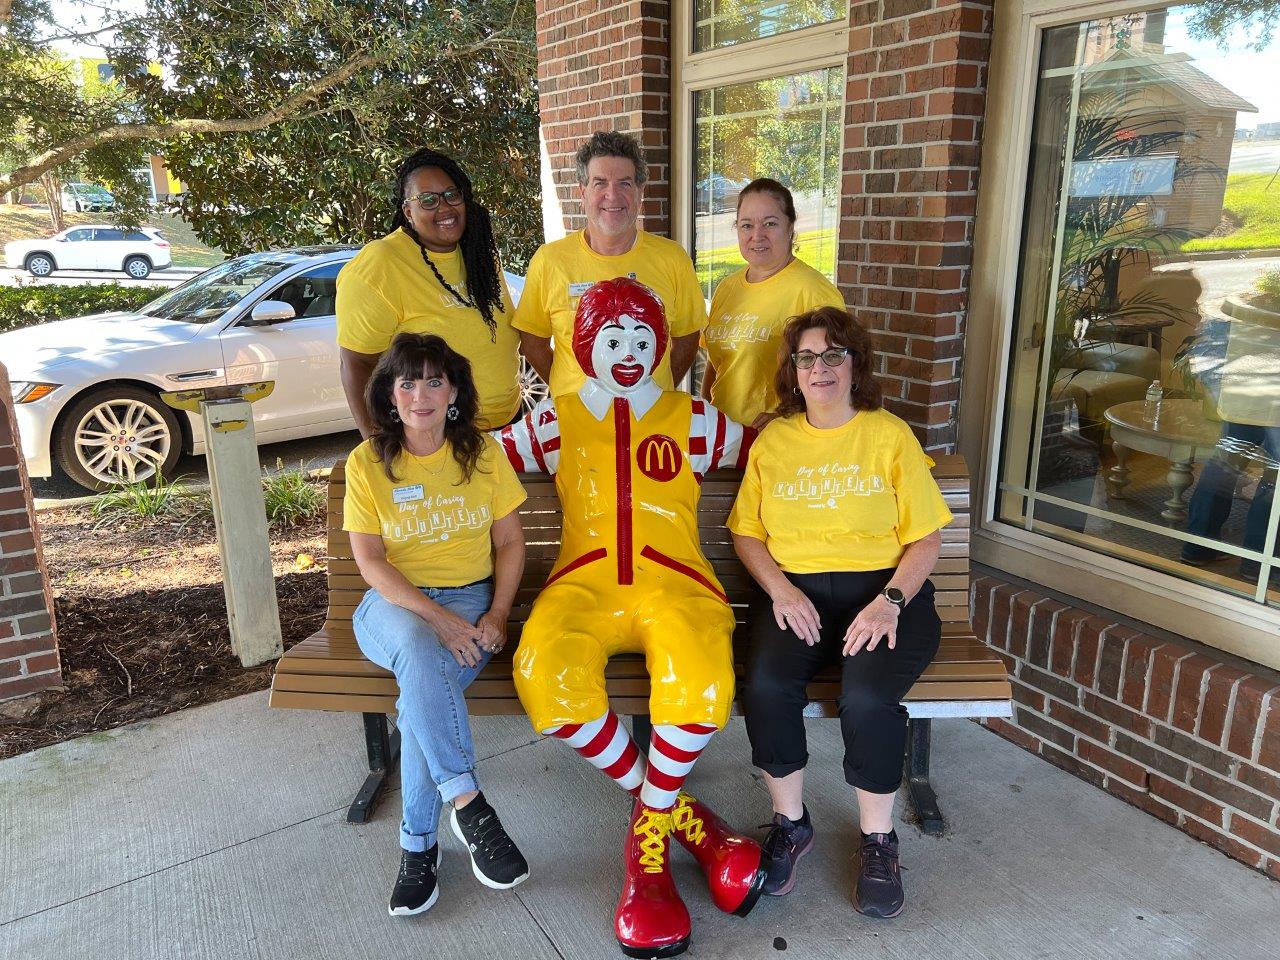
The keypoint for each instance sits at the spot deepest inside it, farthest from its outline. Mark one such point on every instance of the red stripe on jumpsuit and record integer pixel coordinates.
(622, 449)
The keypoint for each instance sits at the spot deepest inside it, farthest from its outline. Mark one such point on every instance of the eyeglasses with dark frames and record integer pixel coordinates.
(831, 357)
(429, 201)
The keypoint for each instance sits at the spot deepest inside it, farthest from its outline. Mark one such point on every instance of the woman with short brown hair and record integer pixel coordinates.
(838, 521)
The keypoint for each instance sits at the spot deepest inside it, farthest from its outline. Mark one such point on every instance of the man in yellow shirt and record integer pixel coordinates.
(628, 458)
(611, 177)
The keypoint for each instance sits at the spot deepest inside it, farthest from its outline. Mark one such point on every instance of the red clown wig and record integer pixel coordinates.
(604, 303)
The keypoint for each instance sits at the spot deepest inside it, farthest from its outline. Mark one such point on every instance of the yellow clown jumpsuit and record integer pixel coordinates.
(630, 577)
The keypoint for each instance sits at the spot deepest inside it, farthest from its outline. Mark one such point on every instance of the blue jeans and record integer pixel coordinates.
(1216, 490)
(437, 760)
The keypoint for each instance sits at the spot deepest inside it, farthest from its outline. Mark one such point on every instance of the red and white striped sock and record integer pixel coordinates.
(673, 750)
(607, 746)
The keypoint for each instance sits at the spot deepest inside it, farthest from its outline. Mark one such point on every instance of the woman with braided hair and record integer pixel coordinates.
(437, 272)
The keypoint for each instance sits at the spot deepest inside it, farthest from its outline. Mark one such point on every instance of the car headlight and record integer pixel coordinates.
(29, 391)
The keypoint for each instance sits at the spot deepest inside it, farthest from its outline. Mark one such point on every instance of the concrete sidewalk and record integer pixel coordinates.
(219, 832)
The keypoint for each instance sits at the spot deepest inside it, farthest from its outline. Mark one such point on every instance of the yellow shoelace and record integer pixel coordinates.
(684, 820)
(653, 826)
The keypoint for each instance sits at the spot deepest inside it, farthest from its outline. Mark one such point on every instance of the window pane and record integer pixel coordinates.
(109, 233)
(1143, 406)
(788, 128)
(722, 23)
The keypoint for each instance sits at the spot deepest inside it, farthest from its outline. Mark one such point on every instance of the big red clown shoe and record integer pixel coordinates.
(628, 458)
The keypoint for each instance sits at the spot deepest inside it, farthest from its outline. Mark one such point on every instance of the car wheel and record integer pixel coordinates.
(532, 388)
(137, 267)
(117, 435)
(40, 264)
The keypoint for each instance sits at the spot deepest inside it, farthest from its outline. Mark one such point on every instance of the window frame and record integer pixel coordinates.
(1234, 624)
(797, 51)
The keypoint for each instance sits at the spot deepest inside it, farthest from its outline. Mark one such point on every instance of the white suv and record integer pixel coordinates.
(92, 247)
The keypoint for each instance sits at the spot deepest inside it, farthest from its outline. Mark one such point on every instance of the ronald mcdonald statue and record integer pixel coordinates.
(628, 458)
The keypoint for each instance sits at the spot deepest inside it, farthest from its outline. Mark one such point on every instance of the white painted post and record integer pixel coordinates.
(240, 517)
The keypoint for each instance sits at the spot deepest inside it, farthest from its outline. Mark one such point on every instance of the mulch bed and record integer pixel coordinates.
(142, 623)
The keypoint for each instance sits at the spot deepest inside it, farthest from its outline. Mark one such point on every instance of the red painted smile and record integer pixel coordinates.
(627, 374)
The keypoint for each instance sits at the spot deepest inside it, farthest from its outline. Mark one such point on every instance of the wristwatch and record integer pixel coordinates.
(896, 597)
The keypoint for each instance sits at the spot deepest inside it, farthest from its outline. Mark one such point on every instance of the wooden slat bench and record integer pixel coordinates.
(328, 672)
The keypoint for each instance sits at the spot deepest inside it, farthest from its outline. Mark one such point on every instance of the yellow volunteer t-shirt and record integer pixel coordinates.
(386, 289)
(436, 530)
(849, 498)
(562, 271)
(745, 333)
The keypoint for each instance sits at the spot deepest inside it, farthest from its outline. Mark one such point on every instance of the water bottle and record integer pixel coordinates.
(1151, 404)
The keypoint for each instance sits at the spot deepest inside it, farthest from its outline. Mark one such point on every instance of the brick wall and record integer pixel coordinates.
(1170, 727)
(28, 642)
(606, 65)
(914, 98)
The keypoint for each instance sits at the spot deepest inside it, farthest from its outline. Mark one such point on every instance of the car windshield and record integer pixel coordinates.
(205, 298)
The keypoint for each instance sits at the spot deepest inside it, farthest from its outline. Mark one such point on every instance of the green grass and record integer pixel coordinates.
(290, 498)
(814, 247)
(1258, 209)
(143, 500)
(29, 223)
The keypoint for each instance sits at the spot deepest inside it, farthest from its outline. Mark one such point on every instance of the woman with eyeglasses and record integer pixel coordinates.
(838, 520)
(751, 306)
(437, 272)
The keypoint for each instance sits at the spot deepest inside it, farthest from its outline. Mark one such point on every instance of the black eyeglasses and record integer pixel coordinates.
(832, 357)
(429, 201)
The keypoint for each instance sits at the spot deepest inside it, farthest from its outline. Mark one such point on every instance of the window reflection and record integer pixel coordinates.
(723, 23)
(1143, 411)
(788, 128)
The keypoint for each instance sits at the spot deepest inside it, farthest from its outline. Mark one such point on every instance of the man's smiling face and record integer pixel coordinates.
(624, 355)
(611, 196)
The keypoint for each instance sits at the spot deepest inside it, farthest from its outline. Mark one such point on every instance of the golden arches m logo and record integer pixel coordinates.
(659, 457)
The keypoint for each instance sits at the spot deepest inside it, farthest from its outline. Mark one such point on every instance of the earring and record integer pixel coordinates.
(452, 412)
(395, 414)
(796, 391)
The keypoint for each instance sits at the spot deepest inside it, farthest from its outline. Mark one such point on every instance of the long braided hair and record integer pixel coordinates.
(479, 252)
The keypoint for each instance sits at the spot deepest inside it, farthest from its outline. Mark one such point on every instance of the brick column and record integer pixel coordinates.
(606, 65)
(915, 98)
(28, 641)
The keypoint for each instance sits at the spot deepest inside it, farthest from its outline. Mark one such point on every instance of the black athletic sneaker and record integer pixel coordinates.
(878, 890)
(415, 890)
(495, 860)
(786, 842)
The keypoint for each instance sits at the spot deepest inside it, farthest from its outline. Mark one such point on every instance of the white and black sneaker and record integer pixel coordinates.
(416, 889)
(495, 860)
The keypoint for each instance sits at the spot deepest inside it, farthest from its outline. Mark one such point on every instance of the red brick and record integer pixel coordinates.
(1137, 667)
(1141, 799)
(1012, 733)
(41, 662)
(1001, 600)
(1111, 660)
(1252, 695)
(1039, 727)
(6, 629)
(1217, 702)
(1019, 621)
(1267, 838)
(1220, 841)
(1087, 644)
(1122, 767)
(1184, 799)
(1233, 795)
(1269, 747)
(1081, 722)
(1063, 652)
(1164, 668)
(29, 684)
(1259, 780)
(1073, 765)
(1273, 869)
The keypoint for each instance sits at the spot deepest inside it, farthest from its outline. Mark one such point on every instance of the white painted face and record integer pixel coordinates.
(624, 355)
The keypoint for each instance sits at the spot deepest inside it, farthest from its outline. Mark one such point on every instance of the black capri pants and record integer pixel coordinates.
(873, 682)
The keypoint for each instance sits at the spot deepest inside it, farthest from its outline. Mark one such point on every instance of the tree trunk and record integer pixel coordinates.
(52, 185)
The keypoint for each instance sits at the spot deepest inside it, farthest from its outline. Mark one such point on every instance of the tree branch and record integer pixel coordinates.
(157, 131)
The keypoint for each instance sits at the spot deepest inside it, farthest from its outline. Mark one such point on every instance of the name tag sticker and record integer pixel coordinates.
(407, 494)
(578, 289)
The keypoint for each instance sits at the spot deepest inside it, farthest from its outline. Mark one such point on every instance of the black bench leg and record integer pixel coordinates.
(384, 751)
(641, 730)
(923, 800)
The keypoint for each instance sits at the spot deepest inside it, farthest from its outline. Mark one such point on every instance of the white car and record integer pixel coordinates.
(92, 247)
(79, 197)
(87, 390)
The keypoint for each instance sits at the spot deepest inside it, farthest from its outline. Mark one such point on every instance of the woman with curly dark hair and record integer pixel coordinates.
(431, 511)
(838, 520)
(436, 272)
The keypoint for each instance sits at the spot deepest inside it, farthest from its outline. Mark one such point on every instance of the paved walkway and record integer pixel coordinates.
(219, 833)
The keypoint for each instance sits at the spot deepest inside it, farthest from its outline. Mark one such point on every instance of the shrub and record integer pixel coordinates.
(1268, 285)
(27, 305)
(290, 497)
(147, 500)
